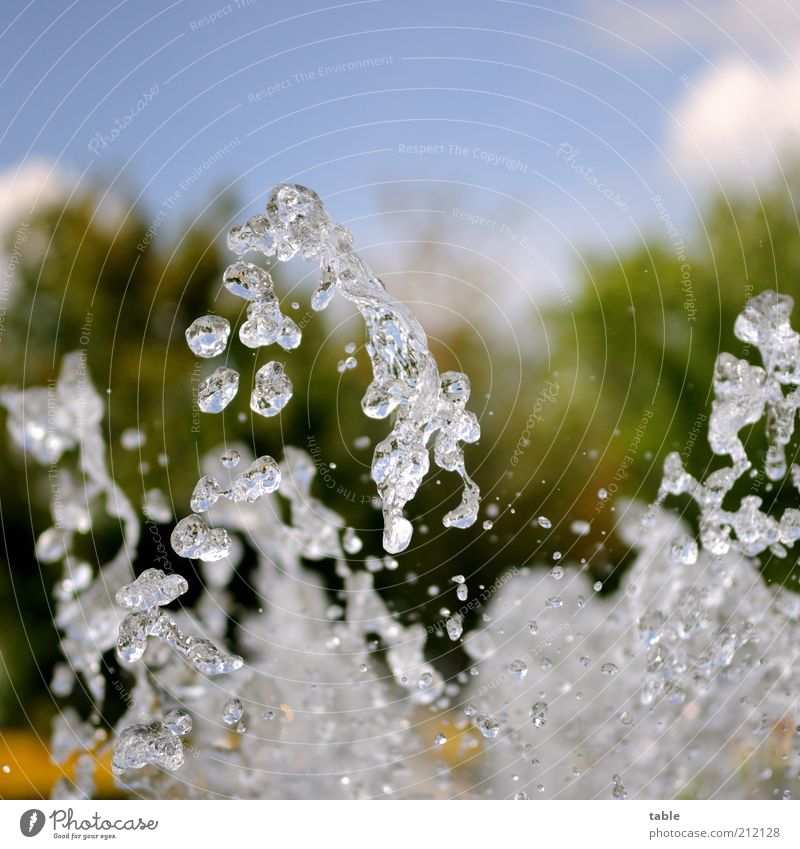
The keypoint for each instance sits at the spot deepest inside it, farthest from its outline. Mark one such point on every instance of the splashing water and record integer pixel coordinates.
(48, 423)
(743, 394)
(683, 683)
(697, 652)
(427, 406)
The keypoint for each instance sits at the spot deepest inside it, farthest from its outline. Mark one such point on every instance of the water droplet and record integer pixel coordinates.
(208, 336)
(153, 588)
(455, 626)
(272, 390)
(230, 458)
(518, 668)
(544, 522)
(193, 538)
(351, 542)
(232, 711)
(217, 390)
(147, 743)
(684, 551)
(487, 725)
(179, 722)
(246, 280)
(205, 494)
(260, 478)
(538, 714)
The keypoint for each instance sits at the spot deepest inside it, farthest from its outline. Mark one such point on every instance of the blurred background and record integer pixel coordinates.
(575, 198)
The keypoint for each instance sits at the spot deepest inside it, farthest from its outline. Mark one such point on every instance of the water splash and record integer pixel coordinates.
(150, 591)
(683, 683)
(744, 394)
(695, 650)
(428, 407)
(50, 423)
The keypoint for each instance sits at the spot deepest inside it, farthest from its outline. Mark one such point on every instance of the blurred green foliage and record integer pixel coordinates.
(628, 381)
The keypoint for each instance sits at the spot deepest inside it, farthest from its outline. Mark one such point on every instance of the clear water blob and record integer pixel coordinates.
(193, 538)
(206, 493)
(217, 390)
(538, 714)
(207, 336)
(518, 669)
(455, 626)
(684, 551)
(232, 711)
(230, 458)
(272, 390)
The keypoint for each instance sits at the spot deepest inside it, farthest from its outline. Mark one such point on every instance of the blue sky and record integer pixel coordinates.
(559, 120)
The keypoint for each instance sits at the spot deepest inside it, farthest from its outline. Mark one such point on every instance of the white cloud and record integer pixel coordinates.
(737, 121)
(24, 190)
(37, 184)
